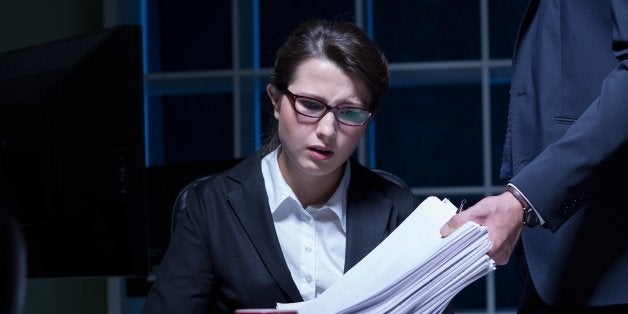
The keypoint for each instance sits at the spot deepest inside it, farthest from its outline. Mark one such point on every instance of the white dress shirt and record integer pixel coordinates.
(312, 239)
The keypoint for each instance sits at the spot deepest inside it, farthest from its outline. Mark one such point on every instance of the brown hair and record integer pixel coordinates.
(341, 42)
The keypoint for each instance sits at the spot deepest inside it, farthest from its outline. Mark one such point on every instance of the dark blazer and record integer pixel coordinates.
(569, 130)
(225, 254)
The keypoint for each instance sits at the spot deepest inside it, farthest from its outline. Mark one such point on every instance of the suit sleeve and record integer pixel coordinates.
(555, 177)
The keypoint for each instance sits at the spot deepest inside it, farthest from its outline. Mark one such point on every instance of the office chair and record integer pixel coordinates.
(12, 264)
(179, 202)
(391, 177)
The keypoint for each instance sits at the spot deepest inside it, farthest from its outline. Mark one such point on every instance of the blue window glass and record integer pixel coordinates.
(499, 116)
(431, 135)
(197, 128)
(194, 35)
(278, 18)
(504, 17)
(411, 31)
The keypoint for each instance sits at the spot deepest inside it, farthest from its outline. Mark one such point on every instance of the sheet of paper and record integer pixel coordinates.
(412, 270)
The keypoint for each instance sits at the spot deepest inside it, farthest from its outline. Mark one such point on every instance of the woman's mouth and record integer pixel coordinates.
(320, 153)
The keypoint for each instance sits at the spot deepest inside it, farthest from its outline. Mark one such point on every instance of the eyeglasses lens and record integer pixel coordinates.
(346, 115)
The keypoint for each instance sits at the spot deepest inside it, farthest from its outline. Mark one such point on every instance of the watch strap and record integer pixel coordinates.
(530, 218)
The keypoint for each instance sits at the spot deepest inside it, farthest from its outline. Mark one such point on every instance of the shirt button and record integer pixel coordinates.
(308, 249)
(308, 279)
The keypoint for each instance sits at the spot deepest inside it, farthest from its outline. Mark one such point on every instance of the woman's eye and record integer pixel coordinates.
(352, 114)
(312, 105)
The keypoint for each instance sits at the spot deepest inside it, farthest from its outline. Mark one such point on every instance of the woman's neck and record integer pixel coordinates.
(310, 189)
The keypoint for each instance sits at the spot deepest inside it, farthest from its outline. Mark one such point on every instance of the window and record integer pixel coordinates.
(442, 124)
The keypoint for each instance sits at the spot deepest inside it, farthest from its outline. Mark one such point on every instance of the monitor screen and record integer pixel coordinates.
(72, 166)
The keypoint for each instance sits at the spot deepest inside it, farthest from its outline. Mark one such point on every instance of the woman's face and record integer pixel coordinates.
(311, 147)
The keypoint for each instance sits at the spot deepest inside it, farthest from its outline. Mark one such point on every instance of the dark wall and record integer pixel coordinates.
(25, 23)
(28, 22)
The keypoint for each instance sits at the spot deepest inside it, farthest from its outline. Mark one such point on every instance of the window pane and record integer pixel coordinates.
(431, 135)
(427, 30)
(198, 128)
(504, 19)
(280, 17)
(499, 115)
(195, 35)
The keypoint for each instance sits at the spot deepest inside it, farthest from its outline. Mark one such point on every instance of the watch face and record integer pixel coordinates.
(530, 218)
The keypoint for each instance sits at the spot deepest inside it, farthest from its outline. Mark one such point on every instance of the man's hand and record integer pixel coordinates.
(502, 215)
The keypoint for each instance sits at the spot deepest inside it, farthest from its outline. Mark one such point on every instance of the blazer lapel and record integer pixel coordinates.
(250, 205)
(368, 215)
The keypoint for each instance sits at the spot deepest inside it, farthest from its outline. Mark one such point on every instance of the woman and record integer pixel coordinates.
(288, 221)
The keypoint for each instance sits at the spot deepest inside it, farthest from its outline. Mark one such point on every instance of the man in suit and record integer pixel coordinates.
(566, 158)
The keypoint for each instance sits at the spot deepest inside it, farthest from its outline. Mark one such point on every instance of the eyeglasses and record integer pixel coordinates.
(313, 108)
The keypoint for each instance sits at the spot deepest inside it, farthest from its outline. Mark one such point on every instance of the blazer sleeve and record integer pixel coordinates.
(185, 274)
(554, 180)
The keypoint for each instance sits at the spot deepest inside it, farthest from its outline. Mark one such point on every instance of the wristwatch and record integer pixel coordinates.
(530, 218)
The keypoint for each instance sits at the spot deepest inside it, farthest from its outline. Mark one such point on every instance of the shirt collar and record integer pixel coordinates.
(278, 189)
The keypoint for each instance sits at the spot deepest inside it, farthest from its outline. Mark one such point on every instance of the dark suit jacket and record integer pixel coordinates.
(225, 254)
(569, 130)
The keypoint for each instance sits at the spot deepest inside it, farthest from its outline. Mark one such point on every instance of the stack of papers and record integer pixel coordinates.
(413, 270)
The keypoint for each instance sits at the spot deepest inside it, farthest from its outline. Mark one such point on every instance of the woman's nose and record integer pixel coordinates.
(327, 125)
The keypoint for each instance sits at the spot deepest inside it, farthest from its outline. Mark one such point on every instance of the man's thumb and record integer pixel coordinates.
(446, 230)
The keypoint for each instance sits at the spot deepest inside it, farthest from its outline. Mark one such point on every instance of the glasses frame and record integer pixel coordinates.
(293, 99)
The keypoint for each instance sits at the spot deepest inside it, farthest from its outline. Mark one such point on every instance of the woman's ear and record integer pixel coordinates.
(275, 95)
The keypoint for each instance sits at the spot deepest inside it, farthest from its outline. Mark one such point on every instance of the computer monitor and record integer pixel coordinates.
(72, 165)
